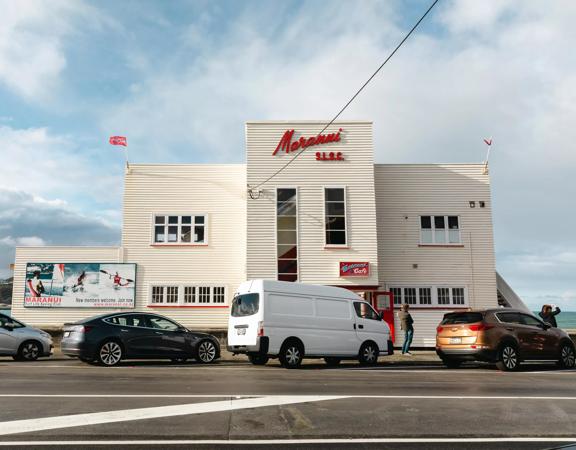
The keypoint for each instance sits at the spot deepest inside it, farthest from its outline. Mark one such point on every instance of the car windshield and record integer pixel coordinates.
(467, 317)
(245, 305)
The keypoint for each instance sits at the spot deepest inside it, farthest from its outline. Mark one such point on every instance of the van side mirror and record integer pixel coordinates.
(381, 315)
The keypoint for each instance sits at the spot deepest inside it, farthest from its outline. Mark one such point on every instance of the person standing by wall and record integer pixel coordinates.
(407, 325)
(547, 314)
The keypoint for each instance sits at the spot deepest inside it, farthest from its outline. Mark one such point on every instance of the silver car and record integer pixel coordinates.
(22, 342)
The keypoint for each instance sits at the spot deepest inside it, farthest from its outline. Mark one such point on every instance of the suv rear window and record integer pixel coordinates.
(245, 305)
(467, 317)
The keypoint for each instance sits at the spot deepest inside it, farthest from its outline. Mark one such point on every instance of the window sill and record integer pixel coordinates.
(438, 307)
(442, 245)
(179, 245)
(336, 247)
(186, 306)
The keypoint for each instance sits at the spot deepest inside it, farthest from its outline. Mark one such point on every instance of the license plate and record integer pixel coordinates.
(66, 333)
(241, 331)
(456, 340)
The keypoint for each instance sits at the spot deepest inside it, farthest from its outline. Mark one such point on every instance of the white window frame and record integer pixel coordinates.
(179, 225)
(433, 295)
(446, 230)
(164, 287)
(297, 229)
(324, 229)
(181, 287)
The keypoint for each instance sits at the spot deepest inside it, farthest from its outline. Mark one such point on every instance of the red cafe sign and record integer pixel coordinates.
(354, 269)
(287, 145)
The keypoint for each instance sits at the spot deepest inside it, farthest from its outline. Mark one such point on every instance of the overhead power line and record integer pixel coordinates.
(353, 97)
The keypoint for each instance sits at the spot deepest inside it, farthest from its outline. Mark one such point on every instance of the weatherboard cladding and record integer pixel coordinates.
(403, 194)
(384, 203)
(355, 173)
(217, 191)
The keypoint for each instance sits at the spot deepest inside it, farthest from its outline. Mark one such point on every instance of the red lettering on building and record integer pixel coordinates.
(287, 145)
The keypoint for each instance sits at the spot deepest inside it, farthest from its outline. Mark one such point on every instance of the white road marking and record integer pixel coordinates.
(77, 420)
(291, 441)
(304, 397)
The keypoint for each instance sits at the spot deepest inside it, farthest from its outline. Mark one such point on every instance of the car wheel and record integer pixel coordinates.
(508, 359)
(291, 355)
(567, 356)
(258, 360)
(110, 353)
(206, 352)
(452, 363)
(368, 355)
(332, 362)
(28, 351)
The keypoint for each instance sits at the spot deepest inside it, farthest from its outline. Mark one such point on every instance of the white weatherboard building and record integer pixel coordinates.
(421, 232)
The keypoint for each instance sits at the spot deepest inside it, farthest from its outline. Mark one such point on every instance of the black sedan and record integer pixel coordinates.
(110, 338)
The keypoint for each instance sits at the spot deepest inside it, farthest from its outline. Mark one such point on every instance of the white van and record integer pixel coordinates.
(291, 321)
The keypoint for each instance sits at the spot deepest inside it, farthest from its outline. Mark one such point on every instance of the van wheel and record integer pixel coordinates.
(508, 359)
(333, 362)
(258, 360)
(291, 355)
(368, 355)
(567, 356)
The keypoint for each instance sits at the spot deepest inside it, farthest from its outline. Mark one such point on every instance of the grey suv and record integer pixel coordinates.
(22, 342)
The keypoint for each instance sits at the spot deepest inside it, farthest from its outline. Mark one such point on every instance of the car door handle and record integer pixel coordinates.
(158, 332)
(354, 326)
(510, 329)
(361, 327)
(122, 329)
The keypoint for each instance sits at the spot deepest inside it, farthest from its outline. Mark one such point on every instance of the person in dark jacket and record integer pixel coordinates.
(547, 314)
(407, 325)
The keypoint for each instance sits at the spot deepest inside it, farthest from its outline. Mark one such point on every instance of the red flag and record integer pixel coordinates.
(488, 141)
(118, 140)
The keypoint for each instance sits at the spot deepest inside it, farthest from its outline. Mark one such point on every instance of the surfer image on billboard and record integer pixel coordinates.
(80, 285)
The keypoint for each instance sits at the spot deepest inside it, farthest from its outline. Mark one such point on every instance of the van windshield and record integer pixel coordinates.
(245, 305)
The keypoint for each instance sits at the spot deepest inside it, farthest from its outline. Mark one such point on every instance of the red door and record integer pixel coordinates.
(383, 301)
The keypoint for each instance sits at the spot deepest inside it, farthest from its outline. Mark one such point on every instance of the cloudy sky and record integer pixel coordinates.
(180, 78)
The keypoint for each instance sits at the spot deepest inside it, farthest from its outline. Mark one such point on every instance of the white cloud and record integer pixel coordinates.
(33, 36)
(34, 221)
(58, 167)
(24, 241)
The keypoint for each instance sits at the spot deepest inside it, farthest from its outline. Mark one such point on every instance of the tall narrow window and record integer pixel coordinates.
(190, 294)
(287, 234)
(335, 216)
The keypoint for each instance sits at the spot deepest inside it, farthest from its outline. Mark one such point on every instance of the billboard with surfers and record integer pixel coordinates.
(80, 285)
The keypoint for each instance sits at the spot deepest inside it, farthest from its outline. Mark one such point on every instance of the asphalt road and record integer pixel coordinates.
(50, 403)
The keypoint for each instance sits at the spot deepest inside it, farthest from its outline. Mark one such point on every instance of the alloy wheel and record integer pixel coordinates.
(293, 355)
(30, 351)
(509, 357)
(369, 354)
(568, 357)
(110, 353)
(207, 352)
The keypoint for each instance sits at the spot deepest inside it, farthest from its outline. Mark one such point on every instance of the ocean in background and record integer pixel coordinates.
(566, 319)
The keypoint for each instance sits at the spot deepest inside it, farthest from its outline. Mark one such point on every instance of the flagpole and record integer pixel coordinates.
(485, 170)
